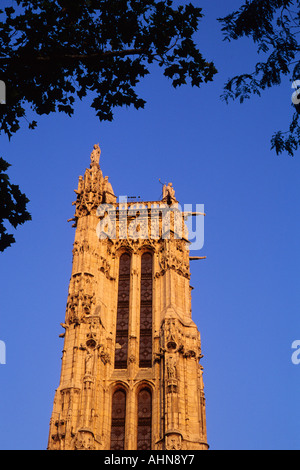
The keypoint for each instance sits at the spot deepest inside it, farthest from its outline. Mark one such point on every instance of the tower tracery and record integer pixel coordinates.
(130, 376)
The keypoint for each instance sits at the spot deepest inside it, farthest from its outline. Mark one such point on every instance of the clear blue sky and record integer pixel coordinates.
(246, 293)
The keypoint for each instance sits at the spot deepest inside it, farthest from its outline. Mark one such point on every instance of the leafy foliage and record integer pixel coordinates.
(55, 51)
(12, 207)
(52, 52)
(274, 26)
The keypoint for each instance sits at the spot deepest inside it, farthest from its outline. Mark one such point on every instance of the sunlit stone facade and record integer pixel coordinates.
(130, 377)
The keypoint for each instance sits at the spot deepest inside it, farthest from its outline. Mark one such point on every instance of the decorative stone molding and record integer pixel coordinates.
(173, 441)
(84, 440)
(144, 307)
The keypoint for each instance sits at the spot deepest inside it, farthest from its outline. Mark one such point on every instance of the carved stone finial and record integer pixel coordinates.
(95, 155)
(108, 193)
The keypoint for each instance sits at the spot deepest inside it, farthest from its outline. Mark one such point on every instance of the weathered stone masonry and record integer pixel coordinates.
(130, 375)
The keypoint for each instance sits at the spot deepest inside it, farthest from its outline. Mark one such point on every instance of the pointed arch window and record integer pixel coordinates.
(146, 311)
(118, 415)
(121, 350)
(144, 419)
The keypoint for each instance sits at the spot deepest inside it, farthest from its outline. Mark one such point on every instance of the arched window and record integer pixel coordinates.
(144, 419)
(118, 414)
(146, 311)
(121, 350)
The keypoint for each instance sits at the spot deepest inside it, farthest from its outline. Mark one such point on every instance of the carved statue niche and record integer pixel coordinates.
(89, 359)
(171, 335)
(95, 339)
(171, 367)
(94, 335)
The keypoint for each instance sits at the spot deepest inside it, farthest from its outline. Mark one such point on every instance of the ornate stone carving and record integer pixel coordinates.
(173, 255)
(78, 306)
(104, 355)
(176, 337)
(171, 334)
(89, 362)
(108, 193)
(81, 298)
(90, 188)
(95, 155)
(173, 442)
(171, 367)
(169, 194)
(109, 312)
(84, 440)
(132, 359)
(60, 425)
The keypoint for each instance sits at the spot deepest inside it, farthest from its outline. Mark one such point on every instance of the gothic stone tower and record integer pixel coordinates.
(130, 377)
